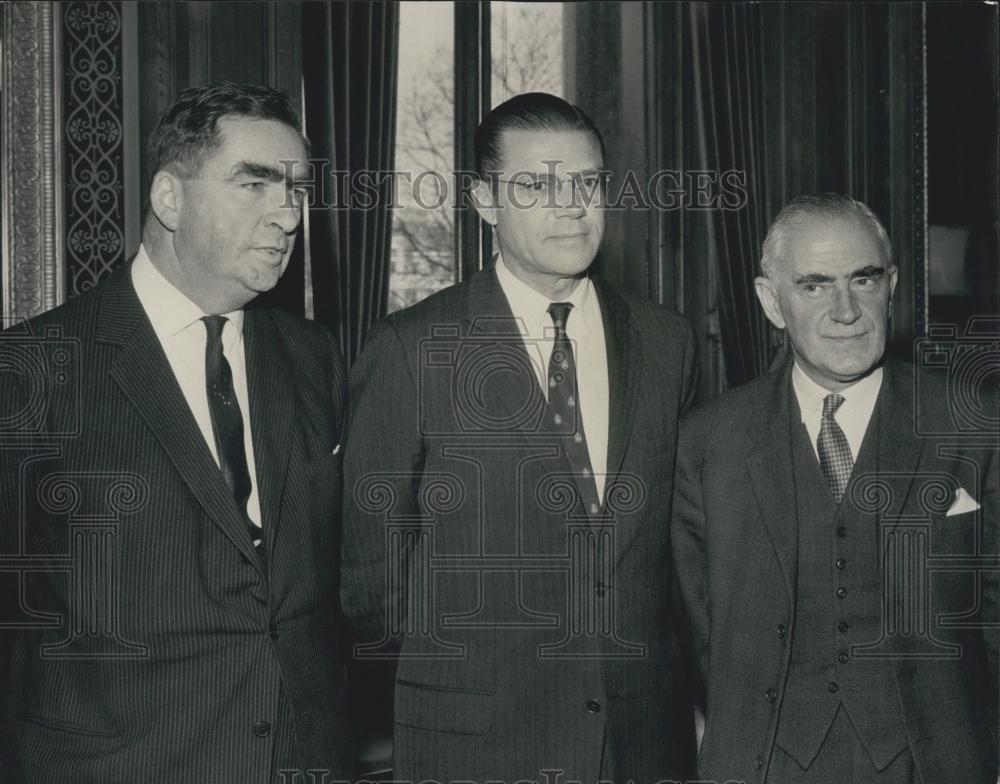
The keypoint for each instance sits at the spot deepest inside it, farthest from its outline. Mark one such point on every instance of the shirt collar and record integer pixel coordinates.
(170, 311)
(531, 307)
(859, 396)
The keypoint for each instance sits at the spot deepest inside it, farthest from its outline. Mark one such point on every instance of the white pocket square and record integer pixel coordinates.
(335, 450)
(963, 503)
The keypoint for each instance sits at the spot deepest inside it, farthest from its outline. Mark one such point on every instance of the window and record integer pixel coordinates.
(422, 251)
(526, 42)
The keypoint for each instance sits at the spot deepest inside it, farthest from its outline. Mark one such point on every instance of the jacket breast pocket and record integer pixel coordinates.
(443, 709)
(69, 728)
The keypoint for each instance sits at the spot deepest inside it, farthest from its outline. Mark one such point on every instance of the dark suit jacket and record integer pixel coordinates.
(154, 645)
(735, 541)
(453, 481)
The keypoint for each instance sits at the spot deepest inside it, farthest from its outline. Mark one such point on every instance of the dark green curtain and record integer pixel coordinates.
(350, 52)
(727, 47)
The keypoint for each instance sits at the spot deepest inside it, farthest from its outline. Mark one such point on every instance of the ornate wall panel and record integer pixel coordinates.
(93, 136)
(31, 214)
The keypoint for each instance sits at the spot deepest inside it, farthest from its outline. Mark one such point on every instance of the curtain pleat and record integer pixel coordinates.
(350, 52)
(732, 124)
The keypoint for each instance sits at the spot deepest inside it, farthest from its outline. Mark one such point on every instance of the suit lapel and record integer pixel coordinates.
(143, 373)
(769, 464)
(515, 395)
(512, 397)
(624, 371)
(488, 313)
(272, 409)
(899, 447)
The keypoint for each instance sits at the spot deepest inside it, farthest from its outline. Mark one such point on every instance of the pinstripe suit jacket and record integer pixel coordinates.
(530, 638)
(153, 644)
(736, 537)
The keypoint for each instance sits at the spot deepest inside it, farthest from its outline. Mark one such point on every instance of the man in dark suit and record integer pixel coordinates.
(835, 532)
(510, 449)
(171, 486)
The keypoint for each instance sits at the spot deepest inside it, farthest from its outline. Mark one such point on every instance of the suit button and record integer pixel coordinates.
(841, 531)
(600, 589)
(841, 563)
(842, 657)
(770, 695)
(273, 632)
(781, 631)
(842, 627)
(758, 762)
(593, 706)
(832, 687)
(842, 592)
(262, 729)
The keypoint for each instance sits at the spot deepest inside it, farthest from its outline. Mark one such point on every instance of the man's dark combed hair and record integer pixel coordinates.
(188, 132)
(527, 112)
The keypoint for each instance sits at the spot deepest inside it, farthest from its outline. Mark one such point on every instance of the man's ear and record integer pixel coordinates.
(893, 280)
(166, 197)
(769, 301)
(484, 200)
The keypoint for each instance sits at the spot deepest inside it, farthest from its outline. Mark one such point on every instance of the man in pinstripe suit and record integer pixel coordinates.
(199, 644)
(509, 458)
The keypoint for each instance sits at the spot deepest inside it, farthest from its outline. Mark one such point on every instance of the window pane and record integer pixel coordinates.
(526, 43)
(423, 259)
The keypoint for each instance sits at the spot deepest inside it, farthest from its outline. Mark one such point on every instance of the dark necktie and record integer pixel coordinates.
(834, 452)
(227, 421)
(565, 406)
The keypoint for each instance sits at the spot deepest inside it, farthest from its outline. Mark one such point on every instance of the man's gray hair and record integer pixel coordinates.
(812, 208)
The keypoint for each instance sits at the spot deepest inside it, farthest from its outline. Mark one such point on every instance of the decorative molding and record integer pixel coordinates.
(921, 248)
(32, 258)
(907, 170)
(93, 136)
(473, 244)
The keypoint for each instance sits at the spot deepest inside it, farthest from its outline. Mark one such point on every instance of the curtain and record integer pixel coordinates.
(349, 85)
(349, 58)
(728, 63)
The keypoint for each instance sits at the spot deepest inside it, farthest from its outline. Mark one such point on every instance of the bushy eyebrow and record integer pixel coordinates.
(262, 171)
(869, 271)
(813, 277)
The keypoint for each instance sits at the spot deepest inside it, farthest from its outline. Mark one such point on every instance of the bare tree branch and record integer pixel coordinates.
(527, 58)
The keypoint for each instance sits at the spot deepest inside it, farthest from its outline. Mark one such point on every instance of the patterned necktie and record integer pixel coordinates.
(834, 452)
(227, 421)
(565, 406)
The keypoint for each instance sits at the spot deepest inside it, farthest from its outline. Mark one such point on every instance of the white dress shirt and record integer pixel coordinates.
(585, 330)
(177, 323)
(853, 415)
